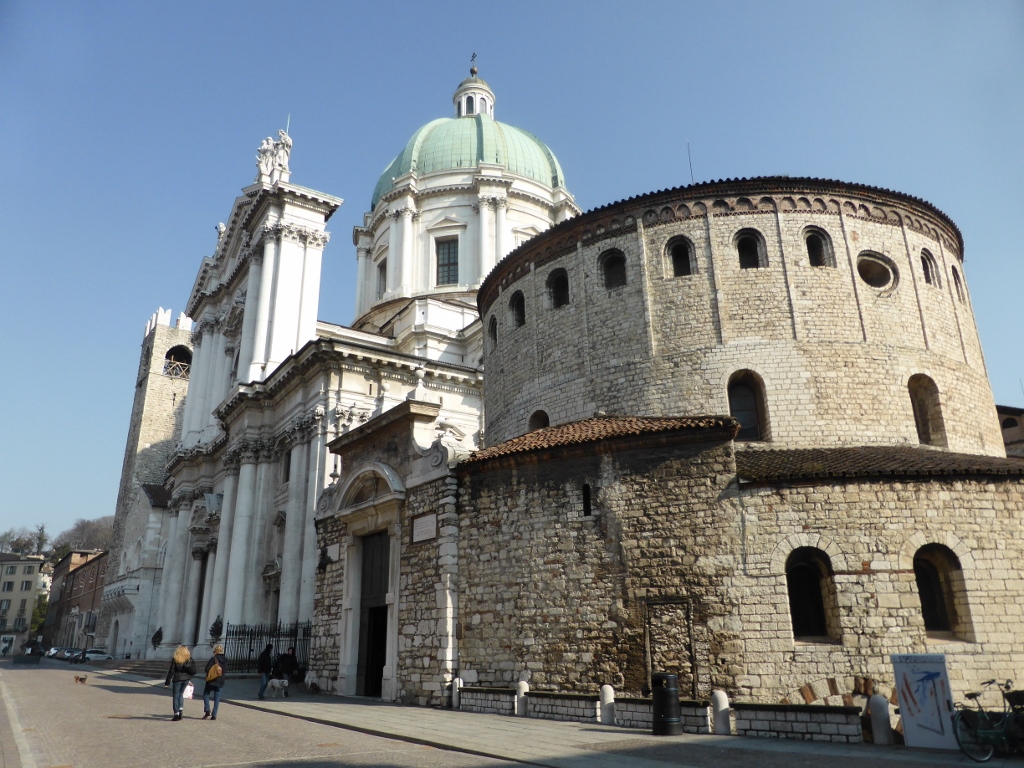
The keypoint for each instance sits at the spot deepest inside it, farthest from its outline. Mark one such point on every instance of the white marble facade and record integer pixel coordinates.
(271, 385)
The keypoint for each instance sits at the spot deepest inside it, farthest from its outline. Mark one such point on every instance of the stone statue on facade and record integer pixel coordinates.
(272, 158)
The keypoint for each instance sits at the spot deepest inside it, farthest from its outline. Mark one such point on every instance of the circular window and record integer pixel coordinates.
(876, 271)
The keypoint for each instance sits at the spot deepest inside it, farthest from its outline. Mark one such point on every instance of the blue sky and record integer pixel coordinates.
(129, 128)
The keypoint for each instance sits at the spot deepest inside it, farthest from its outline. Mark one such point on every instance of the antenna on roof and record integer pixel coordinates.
(689, 159)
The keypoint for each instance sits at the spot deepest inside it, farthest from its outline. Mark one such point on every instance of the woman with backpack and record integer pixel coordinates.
(214, 682)
(180, 673)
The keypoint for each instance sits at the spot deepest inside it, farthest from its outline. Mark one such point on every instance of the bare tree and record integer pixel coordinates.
(87, 534)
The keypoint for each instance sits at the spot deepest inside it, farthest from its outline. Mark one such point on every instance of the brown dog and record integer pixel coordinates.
(81, 679)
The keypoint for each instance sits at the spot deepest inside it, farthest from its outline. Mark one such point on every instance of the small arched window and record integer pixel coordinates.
(1009, 423)
(929, 269)
(819, 249)
(747, 405)
(924, 400)
(941, 588)
(680, 251)
(539, 420)
(470, 107)
(492, 332)
(750, 250)
(613, 267)
(958, 285)
(517, 309)
(558, 288)
(813, 607)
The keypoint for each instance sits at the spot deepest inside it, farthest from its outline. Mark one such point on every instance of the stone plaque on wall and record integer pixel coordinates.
(424, 527)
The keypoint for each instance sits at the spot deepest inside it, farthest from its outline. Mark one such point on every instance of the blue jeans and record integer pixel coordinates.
(211, 692)
(264, 682)
(177, 695)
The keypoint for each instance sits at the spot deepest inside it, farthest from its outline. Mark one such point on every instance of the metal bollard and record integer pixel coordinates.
(665, 719)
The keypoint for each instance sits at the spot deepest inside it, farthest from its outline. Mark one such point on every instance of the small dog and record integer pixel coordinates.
(276, 686)
(81, 679)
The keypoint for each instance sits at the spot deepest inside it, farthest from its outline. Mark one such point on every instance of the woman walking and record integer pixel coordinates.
(214, 682)
(180, 674)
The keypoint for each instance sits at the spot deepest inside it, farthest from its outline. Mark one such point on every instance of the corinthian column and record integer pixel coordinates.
(485, 239)
(364, 292)
(227, 522)
(501, 234)
(291, 555)
(260, 331)
(195, 576)
(241, 532)
(252, 300)
(408, 243)
(314, 484)
(173, 576)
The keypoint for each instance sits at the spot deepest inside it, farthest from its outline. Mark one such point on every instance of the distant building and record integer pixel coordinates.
(75, 600)
(20, 582)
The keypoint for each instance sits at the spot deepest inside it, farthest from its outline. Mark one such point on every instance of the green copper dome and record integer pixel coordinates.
(451, 143)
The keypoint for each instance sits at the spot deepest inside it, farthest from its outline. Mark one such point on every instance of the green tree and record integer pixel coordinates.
(39, 614)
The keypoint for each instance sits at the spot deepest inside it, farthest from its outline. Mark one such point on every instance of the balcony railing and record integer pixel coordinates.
(176, 370)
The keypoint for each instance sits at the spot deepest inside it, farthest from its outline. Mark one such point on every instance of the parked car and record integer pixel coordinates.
(94, 654)
(54, 651)
(68, 653)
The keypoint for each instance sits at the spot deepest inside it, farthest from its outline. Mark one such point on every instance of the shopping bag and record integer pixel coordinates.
(189, 690)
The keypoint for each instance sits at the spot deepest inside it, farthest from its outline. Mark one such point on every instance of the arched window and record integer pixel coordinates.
(819, 249)
(558, 288)
(958, 285)
(613, 267)
(941, 588)
(177, 362)
(470, 108)
(517, 309)
(750, 249)
(538, 420)
(924, 400)
(492, 332)
(680, 250)
(747, 405)
(1009, 423)
(929, 269)
(813, 607)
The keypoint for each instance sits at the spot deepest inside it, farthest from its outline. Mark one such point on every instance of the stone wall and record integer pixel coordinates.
(492, 701)
(829, 348)
(633, 712)
(822, 723)
(569, 602)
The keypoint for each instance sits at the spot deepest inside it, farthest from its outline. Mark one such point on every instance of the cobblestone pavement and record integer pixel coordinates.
(115, 722)
(118, 720)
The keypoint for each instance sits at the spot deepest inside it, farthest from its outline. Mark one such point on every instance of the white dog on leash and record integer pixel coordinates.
(275, 686)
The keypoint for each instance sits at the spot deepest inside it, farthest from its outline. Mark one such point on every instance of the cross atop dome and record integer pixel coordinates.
(473, 96)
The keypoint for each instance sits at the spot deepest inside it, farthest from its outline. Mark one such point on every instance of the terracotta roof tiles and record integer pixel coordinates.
(600, 428)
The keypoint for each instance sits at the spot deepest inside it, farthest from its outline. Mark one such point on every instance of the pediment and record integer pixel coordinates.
(448, 222)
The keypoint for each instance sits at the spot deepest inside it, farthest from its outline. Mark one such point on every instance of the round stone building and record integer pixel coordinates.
(818, 313)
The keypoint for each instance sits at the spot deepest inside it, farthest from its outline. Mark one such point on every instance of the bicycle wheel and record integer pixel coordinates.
(965, 728)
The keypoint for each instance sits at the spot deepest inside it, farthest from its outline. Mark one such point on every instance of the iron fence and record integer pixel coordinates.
(243, 643)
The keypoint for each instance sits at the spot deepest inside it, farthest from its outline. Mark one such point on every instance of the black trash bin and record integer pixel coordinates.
(665, 705)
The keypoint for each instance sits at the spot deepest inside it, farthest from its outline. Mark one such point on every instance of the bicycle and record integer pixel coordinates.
(979, 732)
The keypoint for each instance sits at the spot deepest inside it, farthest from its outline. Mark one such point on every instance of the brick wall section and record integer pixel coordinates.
(830, 348)
(839, 725)
(492, 701)
(631, 712)
(578, 708)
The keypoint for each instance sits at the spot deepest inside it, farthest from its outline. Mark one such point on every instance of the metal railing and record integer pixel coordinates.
(243, 643)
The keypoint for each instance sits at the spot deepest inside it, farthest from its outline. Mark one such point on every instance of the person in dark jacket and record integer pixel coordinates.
(286, 667)
(214, 685)
(180, 673)
(264, 665)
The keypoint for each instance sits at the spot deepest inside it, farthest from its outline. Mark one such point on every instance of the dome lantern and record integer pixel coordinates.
(473, 97)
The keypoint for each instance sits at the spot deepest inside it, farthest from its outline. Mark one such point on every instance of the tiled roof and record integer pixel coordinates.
(600, 428)
(765, 465)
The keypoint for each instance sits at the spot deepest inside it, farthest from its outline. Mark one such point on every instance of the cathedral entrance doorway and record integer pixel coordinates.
(373, 614)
